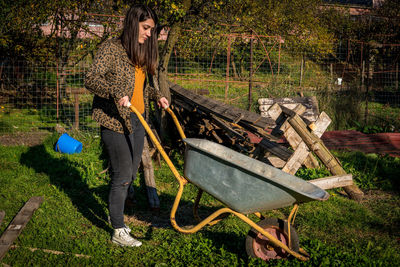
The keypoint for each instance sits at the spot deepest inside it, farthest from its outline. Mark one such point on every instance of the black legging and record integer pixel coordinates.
(124, 152)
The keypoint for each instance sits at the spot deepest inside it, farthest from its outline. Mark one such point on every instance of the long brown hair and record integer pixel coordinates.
(142, 55)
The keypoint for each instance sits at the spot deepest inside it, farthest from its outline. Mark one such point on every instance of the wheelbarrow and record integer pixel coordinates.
(245, 186)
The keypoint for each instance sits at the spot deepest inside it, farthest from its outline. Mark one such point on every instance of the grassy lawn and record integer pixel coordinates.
(73, 217)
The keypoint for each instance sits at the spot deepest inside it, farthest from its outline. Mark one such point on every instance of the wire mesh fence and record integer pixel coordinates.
(357, 84)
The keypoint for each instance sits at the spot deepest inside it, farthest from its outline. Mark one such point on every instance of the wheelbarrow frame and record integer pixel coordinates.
(212, 219)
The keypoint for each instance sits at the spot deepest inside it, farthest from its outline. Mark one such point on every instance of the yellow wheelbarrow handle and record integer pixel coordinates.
(177, 124)
(157, 143)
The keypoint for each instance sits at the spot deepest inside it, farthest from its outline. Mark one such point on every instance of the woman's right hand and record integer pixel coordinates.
(124, 101)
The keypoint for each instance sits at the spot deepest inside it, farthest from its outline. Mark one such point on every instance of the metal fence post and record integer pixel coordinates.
(228, 61)
(250, 72)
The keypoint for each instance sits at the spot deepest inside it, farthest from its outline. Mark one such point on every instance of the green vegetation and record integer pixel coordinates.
(28, 119)
(24, 120)
(73, 217)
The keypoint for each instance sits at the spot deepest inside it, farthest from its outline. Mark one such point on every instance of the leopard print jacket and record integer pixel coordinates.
(111, 77)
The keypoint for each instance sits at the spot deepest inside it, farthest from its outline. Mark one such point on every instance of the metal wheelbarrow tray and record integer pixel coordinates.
(244, 185)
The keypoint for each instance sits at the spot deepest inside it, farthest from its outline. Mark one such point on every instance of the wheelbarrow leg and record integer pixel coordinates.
(196, 205)
(290, 220)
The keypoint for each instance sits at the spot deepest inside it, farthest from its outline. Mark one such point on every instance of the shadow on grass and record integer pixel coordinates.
(67, 179)
(140, 213)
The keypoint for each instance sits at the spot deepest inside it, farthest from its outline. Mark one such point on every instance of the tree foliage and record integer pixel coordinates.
(22, 21)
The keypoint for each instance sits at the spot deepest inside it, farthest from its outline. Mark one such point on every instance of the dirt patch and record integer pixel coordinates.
(23, 138)
(379, 195)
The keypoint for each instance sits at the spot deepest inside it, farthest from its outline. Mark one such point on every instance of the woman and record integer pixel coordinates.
(117, 77)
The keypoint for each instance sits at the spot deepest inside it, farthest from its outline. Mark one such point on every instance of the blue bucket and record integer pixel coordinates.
(67, 144)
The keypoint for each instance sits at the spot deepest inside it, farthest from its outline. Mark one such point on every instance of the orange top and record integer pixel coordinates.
(137, 98)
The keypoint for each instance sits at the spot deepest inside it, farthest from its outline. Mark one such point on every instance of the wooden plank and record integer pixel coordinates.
(276, 162)
(299, 110)
(290, 134)
(18, 224)
(311, 162)
(321, 124)
(311, 104)
(220, 109)
(333, 181)
(297, 158)
(226, 127)
(2, 214)
(295, 161)
(276, 149)
(302, 151)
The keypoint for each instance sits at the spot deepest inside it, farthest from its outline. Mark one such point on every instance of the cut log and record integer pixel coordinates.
(18, 224)
(333, 181)
(317, 146)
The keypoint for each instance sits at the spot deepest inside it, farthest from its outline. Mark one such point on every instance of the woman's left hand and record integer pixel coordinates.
(163, 102)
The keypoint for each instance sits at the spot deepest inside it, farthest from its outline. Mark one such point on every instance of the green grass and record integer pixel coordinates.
(73, 217)
(28, 119)
(23, 120)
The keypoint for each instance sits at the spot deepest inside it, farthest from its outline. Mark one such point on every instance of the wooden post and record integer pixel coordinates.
(148, 171)
(76, 92)
(317, 146)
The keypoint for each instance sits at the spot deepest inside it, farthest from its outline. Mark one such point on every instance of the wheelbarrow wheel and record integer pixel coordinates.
(258, 246)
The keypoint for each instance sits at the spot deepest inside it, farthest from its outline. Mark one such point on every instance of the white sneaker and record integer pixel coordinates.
(128, 229)
(126, 226)
(121, 237)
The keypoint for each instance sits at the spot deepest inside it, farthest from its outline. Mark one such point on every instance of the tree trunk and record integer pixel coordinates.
(162, 71)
